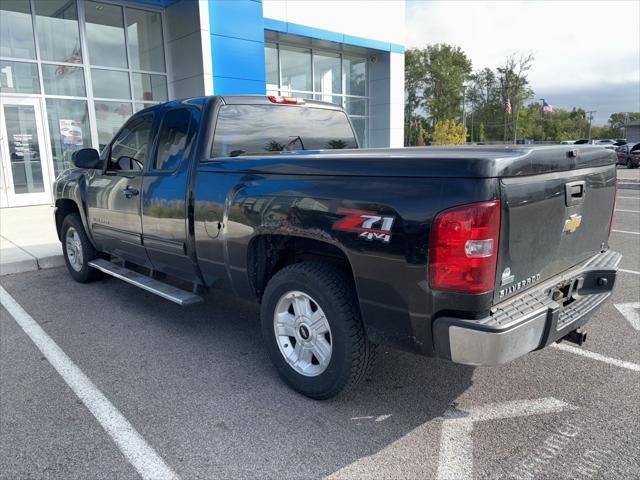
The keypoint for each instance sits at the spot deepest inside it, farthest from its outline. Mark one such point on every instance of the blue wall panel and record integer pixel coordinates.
(331, 36)
(237, 46)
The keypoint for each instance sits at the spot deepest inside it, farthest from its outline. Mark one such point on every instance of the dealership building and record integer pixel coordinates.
(73, 71)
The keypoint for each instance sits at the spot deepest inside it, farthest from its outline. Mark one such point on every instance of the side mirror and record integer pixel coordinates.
(86, 158)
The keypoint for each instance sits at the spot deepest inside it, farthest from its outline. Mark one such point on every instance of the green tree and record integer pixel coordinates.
(414, 77)
(447, 69)
(434, 87)
(448, 132)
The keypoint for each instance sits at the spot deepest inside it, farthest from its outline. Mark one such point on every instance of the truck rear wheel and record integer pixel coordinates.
(78, 250)
(313, 330)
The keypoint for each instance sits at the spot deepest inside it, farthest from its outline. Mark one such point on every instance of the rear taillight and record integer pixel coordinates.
(464, 248)
(613, 210)
(286, 100)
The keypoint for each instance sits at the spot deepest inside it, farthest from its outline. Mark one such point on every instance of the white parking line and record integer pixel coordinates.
(631, 312)
(135, 448)
(627, 211)
(628, 271)
(596, 356)
(625, 231)
(456, 443)
(630, 198)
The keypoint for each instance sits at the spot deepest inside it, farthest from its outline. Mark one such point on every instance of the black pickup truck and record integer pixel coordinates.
(477, 255)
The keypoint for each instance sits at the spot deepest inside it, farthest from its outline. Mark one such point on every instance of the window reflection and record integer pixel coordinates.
(16, 30)
(110, 84)
(110, 116)
(296, 69)
(144, 30)
(68, 130)
(149, 87)
(63, 80)
(57, 29)
(105, 35)
(328, 77)
(279, 128)
(19, 77)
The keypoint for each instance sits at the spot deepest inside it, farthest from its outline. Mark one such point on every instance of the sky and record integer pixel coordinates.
(587, 53)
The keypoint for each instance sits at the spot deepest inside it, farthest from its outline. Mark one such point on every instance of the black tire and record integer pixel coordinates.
(352, 354)
(83, 273)
(630, 164)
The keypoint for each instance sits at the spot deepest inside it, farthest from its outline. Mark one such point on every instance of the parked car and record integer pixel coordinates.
(606, 143)
(477, 255)
(567, 142)
(629, 155)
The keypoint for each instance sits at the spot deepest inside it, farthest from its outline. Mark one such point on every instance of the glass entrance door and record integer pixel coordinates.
(25, 162)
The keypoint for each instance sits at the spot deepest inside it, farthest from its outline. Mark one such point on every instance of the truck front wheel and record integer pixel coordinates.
(312, 327)
(78, 250)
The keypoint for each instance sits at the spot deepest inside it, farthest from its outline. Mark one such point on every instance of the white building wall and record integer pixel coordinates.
(381, 20)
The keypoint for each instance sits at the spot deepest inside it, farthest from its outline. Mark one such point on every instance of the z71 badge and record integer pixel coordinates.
(370, 225)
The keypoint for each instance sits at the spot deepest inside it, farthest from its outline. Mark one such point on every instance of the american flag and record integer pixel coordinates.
(546, 107)
(507, 105)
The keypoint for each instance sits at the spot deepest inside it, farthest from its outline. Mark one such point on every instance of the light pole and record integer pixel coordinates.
(590, 112)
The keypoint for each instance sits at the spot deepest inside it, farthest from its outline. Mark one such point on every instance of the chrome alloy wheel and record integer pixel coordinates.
(303, 333)
(74, 249)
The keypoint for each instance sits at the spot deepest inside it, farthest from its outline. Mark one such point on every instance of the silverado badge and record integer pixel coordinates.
(572, 224)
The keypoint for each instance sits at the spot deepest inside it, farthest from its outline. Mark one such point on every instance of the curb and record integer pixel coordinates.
(31, 265)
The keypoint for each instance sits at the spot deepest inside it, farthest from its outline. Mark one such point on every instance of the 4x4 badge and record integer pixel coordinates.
(370, 225)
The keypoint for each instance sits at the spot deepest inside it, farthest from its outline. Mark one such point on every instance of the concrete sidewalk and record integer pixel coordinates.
(28, 239)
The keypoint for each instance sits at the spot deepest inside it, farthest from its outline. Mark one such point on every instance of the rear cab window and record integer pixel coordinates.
(259, 129)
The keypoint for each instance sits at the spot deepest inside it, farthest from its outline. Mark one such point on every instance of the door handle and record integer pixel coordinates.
(130, 192)
(574, 193)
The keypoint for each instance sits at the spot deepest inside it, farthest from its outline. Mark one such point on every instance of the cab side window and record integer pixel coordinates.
(173, 139)
(130, 150)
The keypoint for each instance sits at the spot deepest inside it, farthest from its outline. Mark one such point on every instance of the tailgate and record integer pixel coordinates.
(551, 222)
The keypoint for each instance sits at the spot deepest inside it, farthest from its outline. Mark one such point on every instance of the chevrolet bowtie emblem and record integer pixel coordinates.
(572, 224)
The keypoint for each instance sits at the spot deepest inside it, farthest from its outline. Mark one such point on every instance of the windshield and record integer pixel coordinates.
(255, 129)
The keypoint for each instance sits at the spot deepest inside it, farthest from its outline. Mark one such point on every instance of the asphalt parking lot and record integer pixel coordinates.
(200, 399)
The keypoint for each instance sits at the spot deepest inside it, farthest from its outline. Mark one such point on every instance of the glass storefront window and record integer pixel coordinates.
(68, 130)
(144, 31)
(19, 77)
(63, 80)
(271, 61)
(337, 78)
(327, 74)
(141, 106)
(323, 97)
(16, 30)
(356, 76)
(110, 84)
(149, 87)
(296, 69)
(356, 106)
(105, 35)
(110, 116)
(57, 30)
(22, 136)
(360, 126)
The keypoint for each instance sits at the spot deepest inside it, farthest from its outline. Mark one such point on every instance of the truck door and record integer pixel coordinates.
(113, 196)
(165, 194)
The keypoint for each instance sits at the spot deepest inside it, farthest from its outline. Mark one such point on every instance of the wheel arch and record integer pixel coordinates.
(267, 254)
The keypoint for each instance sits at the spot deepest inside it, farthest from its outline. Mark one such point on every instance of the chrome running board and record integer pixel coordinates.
(164, 290)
